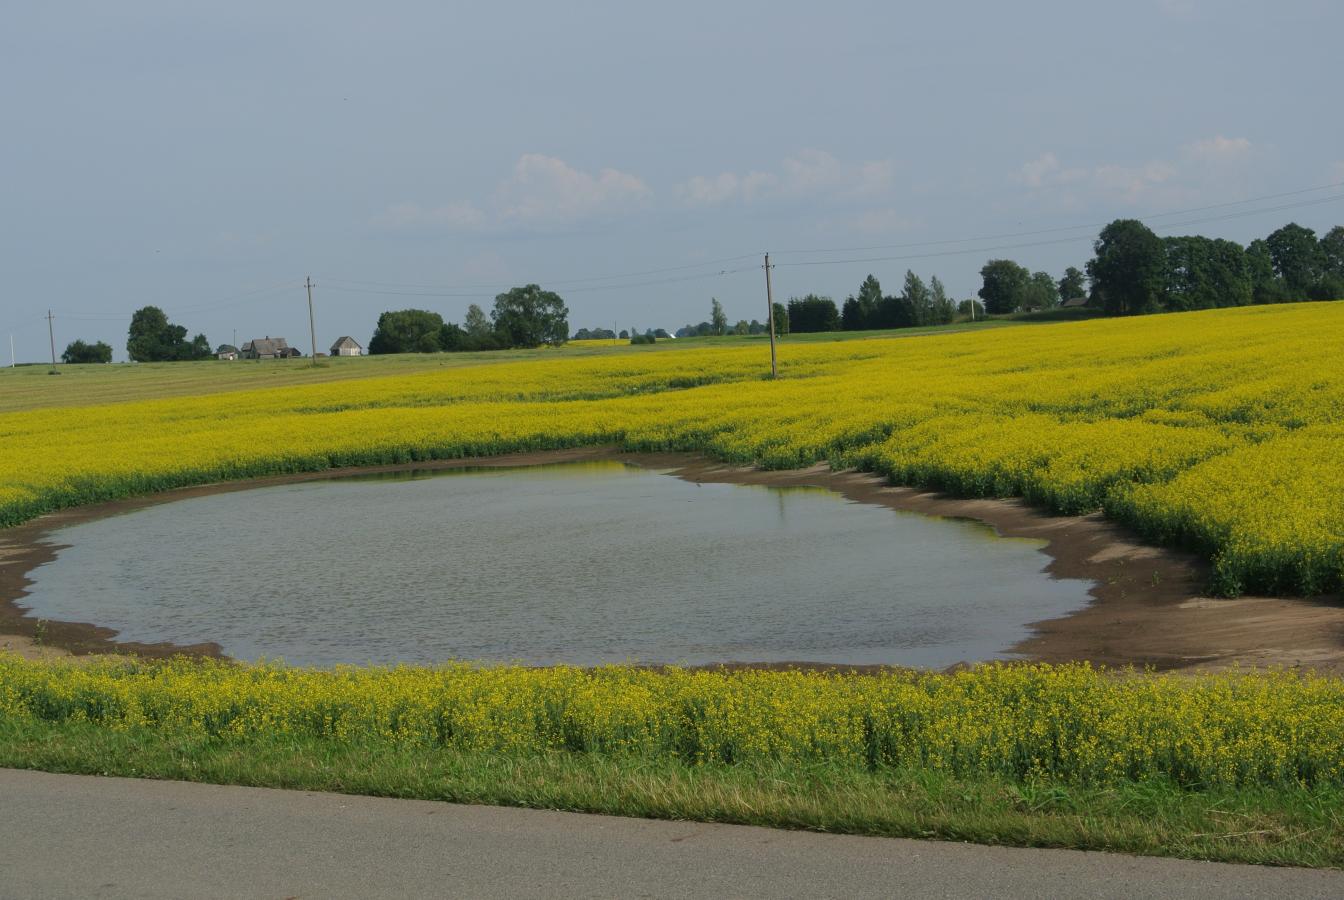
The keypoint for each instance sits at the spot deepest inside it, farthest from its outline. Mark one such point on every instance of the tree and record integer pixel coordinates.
(717, 319)
(1332, 251)
(1297, 258)
(79, 352)
(941, 309)
(971, 307)
(1204, 274)
(916, 301)
(1071, 286)
(529, 317)
(407, 331)
(1041, 292)
(1129, 269)
(863, 311)
(812, 314)
(1005, 283)
(452, 338)
(742, 327)
(152, 338)
(1266, 287)
(781, 320)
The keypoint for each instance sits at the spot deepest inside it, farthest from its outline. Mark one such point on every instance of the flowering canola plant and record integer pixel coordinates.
(1222, 430)
(1068, 723)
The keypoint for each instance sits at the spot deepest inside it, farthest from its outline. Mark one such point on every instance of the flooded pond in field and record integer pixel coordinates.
(576, 563)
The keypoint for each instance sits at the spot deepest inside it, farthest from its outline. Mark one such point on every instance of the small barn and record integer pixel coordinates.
(267, 348)
(346, 346)
(1074, 303)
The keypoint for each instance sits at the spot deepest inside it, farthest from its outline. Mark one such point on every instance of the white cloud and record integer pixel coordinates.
(1132, 183)
(702, 191)
(540, 190)
(1196, 166)
(1045, 170)
(808, 173)
(1218, 149)
(546, 189)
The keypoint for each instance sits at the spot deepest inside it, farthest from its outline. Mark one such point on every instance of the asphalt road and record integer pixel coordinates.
(78, 836)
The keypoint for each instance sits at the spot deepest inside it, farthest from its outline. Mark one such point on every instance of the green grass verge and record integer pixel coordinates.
(1276, 826)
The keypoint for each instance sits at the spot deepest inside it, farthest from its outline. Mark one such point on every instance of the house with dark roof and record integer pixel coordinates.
(347, 346)
(1074, 303)
(267, 348)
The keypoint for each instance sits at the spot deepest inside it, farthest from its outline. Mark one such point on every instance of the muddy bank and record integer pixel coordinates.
(1148, 607)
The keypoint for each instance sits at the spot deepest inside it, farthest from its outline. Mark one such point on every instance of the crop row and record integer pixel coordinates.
(1066, 723)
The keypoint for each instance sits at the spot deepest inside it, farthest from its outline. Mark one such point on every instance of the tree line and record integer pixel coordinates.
(1135, 271)
(524, 317)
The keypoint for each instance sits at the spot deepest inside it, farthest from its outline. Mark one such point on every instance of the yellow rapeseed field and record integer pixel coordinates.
(1052, 723)
(1220, 430)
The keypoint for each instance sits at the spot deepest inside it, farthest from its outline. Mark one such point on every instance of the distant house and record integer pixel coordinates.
(346, 346)
(267, 348)
(1074, 303)
(227, 354)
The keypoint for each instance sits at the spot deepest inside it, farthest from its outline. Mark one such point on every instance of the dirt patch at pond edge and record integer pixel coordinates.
(1148, 606)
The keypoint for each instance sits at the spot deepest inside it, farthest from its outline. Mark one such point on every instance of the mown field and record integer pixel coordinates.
(1220, 431)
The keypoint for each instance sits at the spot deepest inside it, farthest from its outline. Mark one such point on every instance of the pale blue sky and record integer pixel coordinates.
(184, 156)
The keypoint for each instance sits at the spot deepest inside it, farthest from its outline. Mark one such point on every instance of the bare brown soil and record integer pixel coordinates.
(1149, 608)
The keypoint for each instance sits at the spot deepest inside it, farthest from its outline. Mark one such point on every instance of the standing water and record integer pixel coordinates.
(581, 563)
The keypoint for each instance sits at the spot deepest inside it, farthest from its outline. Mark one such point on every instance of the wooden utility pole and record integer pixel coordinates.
(770, 299)
(12, 363)
(52, 335)
(312, 331)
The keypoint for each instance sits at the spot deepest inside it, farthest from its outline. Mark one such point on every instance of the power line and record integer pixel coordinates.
(550, 281)
(573, 290)
(1015, 234)
(1066, 240)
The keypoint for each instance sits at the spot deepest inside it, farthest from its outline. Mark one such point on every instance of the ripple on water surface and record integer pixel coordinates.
(578, 563)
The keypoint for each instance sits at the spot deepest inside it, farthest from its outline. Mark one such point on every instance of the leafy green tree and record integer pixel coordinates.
(863, 312)
(781, 320)
(152, 338)
(1297, 258)
(941, 308)
(1204, 274)
(742, 327)
(407, 331)
(79, 352)
(1332, 251)
(1005, 285)
(717, 319)
(1040, 292)
(1266, 285)
(971, 307)
(529, 317)
(452, 338)
(812, 314)
(1129, 269)
(1072, 286)
(915, 301)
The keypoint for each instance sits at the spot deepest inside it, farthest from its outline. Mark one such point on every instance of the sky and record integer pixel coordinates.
(638, 161)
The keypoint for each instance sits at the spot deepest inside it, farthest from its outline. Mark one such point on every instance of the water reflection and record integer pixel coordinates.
(581, 563)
